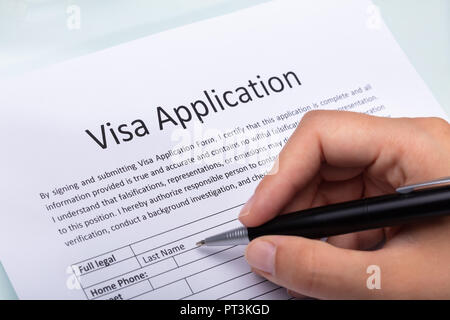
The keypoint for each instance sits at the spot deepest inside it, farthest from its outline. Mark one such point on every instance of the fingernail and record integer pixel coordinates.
(275, 167)
(261, 255)
(245, 211)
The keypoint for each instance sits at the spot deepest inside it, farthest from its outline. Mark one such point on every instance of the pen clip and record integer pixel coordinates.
(424, 185)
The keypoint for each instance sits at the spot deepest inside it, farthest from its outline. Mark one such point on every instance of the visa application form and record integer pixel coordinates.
(116, 163)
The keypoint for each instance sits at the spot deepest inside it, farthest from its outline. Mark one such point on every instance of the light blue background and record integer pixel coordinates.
(34, 33)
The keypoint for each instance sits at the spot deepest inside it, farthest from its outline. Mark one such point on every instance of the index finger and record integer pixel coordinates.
(340, 139)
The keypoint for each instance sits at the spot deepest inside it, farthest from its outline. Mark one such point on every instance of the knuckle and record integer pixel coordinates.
(313, 120)
(432, 134)
(439, 122)
(313, 115)
(434, 126)
(441, 126)
(319, 119)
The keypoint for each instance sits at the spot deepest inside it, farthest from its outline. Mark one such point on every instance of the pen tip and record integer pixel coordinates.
(200, 243)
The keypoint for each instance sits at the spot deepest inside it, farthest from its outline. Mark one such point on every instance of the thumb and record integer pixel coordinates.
(312, 268)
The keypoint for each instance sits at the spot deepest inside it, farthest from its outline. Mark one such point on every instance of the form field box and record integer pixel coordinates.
(227, 287)
(110, 272)
(173, 291)
(130, 278)
(195, 229)
(216, 275)
(103, 261)
(252, 292)
(196, 267)
(129, 292)
(279, 294)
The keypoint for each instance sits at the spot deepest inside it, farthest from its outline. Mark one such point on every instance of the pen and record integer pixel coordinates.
(409, 204)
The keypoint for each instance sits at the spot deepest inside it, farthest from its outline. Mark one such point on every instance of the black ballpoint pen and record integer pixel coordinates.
(410, 204)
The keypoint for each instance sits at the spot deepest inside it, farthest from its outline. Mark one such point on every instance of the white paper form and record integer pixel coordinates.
(115, 164)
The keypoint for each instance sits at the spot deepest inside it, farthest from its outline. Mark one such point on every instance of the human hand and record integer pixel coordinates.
(341, 156)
